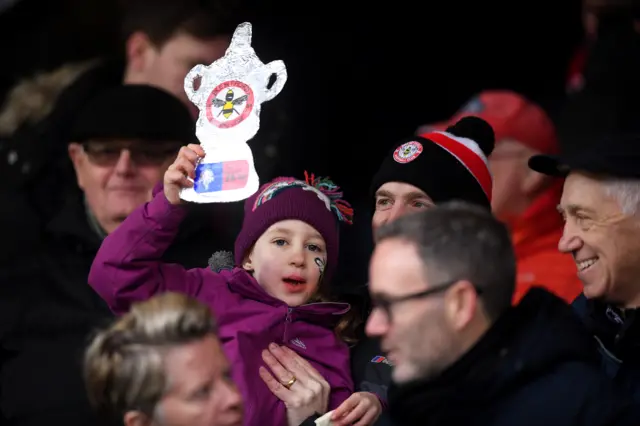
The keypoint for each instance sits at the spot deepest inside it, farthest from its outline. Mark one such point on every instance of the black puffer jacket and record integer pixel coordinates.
(48, 311)
(537, 366)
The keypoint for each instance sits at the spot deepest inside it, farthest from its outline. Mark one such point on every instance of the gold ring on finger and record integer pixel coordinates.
(290, 382)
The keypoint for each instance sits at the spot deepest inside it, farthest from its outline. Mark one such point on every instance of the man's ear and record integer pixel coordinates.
(136, 418)
(76, 154)
(533, 183)
(460, 304)
(138, 46)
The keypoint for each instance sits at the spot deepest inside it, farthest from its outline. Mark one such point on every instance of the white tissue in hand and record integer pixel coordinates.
(325, 420)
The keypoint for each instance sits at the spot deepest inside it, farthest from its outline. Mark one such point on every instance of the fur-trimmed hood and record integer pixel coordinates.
(33, 98)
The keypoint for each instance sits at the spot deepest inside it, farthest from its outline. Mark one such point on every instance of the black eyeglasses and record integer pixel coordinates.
(108, 154)
(386, 303)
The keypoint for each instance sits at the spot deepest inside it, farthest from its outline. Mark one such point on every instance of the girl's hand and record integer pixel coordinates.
(177, 175)
(360, 409)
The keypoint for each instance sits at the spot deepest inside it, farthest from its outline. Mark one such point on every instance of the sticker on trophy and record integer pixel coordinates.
(229, 97)
(216, 177)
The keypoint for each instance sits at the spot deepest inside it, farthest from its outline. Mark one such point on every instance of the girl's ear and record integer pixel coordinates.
(247, 265)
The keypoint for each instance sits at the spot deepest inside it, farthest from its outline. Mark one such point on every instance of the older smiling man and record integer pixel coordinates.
(601, 205)
(442, 282)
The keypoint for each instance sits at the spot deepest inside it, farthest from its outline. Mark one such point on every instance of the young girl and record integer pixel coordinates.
(285, 254)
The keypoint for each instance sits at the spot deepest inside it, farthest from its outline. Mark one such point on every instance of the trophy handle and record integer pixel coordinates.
(192, 94)
(277, 68)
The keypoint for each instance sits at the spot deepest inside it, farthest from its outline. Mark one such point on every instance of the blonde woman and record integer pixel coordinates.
(162, 364)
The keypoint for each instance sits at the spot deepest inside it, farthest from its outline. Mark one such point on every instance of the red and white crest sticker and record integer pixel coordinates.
(407, 152)
(229, 104)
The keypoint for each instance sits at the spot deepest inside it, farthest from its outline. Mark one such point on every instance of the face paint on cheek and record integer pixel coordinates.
(321, 264)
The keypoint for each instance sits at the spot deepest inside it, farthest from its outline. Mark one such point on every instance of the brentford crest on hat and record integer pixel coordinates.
(407, 152)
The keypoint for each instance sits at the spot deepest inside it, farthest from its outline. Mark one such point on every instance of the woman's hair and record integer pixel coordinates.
(123, 365)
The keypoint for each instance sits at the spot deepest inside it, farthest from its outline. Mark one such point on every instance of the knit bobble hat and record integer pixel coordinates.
(315, 201)
(449, 165)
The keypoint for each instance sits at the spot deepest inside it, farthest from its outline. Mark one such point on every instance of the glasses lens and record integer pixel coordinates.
(107, 154)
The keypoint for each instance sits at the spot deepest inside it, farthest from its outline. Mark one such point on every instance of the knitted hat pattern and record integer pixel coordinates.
(316, 201)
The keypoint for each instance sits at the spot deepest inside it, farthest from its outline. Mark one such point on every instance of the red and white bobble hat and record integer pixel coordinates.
(449, 165)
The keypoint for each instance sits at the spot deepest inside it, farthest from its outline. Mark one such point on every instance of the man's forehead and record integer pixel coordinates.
(580, 186)
(401, 190)
(510, 145)
(583, 191)
(133, 142)
(394, 261)
(203, 50)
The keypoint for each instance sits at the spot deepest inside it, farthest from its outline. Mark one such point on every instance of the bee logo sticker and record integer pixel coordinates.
(407, 152)
(229, 104)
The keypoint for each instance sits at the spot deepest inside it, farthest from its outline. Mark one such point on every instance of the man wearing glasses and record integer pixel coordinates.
(442, 283)
(120, 145)
(417, 174)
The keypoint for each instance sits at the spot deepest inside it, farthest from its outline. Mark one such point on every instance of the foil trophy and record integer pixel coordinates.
(229, 97)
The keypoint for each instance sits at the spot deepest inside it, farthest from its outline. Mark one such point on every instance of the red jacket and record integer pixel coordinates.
(535, 237)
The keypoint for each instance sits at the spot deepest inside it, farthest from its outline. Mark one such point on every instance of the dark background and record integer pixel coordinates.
(360, 76)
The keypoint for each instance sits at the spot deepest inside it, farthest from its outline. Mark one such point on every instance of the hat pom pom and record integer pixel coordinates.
(476, 129)
(341, 208)
(221, 260)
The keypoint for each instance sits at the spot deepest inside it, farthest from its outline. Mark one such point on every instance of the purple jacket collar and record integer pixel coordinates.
(321, 313)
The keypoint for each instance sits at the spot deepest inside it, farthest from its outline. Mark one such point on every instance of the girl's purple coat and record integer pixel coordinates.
(128, 269)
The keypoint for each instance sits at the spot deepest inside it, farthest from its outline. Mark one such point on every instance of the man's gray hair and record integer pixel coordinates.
(462, 241)
(626, 192)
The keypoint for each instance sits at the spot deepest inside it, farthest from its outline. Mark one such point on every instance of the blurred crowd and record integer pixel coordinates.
(487, 275)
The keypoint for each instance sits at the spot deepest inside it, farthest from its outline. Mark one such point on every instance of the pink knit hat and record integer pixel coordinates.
(315, 201)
